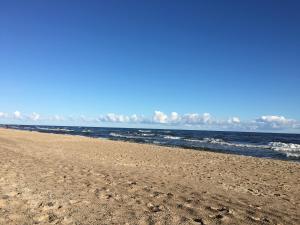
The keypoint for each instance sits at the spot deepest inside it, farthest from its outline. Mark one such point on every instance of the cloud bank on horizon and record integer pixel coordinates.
(160, 119)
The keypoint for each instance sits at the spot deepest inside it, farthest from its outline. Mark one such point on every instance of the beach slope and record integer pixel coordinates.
(62, 179)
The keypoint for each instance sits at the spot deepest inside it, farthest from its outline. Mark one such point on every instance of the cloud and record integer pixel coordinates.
(17, 115)
(119, 118)
(197, 119)
(234, 120)
(160, 117)
(134, 118)
(34, 116)
(3, 115)
(57, 118)
(275, 122)
(274, 119)
(174, 117)
(205, 121)
(138, 119)
(82, 119)
(114, 118)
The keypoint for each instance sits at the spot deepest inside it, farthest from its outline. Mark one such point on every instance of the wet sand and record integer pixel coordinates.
(62, 179)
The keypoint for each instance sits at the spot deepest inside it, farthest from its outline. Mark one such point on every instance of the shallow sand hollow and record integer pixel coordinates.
(60, 179)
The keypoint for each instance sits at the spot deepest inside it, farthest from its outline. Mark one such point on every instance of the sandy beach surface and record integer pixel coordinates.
(62, 179)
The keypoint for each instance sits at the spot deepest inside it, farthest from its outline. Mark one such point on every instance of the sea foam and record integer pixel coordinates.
(290, 149)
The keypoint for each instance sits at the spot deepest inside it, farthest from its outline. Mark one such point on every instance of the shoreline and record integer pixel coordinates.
(166, 146)
(66, 179)
(274, 150)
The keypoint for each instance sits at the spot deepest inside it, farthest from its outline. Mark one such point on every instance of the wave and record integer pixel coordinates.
(167, 131)
(222, 142)
(27, 128)
(147, 135)
(145, 131)
(172, 137)
(86, 131)
(159, 142)
(55, 129)
(290, 149)
(123, 136)
(116, 135)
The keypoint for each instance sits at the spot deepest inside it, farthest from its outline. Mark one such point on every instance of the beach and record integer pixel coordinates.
(64, 179)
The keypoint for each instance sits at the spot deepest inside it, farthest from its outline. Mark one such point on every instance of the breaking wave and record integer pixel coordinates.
(117, 135)
(172, 137)
(290, 149)
(55, 129)
(145, 131)
(222, 142)
(113, 134)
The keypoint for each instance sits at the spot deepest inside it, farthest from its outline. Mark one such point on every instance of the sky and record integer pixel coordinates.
(214, 65)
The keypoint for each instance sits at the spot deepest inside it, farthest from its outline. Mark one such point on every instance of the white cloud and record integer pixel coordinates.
(206, 117)
(275, 119)
(3, 115)
(174, 117)
(193, 120)
(114, 118)
(160, 117)
(137, 119)
(275, 122)
(186, 119)
(205, 120)
(34, 116)
(234, 120)
(17, 115)
(119, 118)
(134, 118)
(57, 118)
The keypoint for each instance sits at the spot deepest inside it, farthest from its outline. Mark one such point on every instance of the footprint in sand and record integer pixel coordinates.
(155, 208)
(199, 221)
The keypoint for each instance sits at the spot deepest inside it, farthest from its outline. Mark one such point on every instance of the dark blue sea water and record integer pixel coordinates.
(265, 145)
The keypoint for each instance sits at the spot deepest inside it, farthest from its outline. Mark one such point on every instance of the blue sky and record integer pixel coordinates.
(95, 62)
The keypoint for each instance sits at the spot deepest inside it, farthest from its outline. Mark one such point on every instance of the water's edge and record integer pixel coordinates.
(262, 145)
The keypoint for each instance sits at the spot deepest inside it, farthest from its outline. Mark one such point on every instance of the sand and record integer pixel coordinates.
(62, 179)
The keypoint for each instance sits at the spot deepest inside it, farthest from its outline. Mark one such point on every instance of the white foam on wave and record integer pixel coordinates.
(145, 131)
(159, 142)
(172, 137)
(219, 141)
(147, 135)
(54, 129)
(116, 134)
(86, 131)
(122, 136)
(290, 149)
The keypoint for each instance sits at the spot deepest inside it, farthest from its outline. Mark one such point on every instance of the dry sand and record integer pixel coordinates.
(61, 179)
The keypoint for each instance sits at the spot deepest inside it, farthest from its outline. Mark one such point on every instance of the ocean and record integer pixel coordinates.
(263, 145)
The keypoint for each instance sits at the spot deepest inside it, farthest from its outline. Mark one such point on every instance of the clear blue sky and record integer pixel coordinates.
(227, 58)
